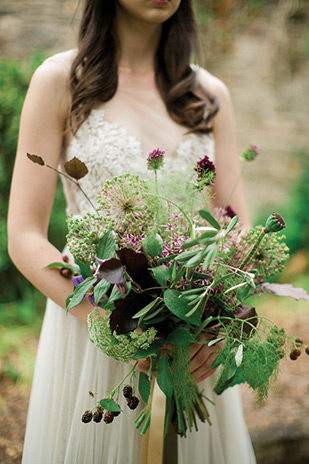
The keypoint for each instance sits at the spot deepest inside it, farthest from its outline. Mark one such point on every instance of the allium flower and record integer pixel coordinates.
(251, 153)
(155, 159)
(124, 201)
(84, 235)
(206, 171)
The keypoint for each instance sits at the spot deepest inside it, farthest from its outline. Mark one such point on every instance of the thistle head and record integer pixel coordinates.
(251, 153)
(155, 159)
(206, 172)
(274, 223)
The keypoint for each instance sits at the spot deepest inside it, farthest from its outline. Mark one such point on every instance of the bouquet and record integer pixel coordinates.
(171, 273)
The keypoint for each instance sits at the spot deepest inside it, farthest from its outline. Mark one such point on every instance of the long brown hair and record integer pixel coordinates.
(94, 71)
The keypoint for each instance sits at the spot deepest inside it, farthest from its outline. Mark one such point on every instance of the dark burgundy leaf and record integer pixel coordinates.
(76, 168)
(286, 290)
(36, 159)
(121, 318)
(113, 271)
(136, 265)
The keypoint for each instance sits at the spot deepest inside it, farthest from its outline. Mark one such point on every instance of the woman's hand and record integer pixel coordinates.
(202, 357)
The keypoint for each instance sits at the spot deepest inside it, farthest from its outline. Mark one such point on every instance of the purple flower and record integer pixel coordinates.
(155, 159)
(206, 172)
(229, 212)
(113, 271)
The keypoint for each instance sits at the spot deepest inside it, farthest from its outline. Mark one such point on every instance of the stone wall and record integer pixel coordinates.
(28, 25)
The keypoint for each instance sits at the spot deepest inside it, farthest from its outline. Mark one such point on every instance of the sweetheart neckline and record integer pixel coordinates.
(188, 137)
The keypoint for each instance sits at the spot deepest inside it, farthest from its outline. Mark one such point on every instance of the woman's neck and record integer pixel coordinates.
(138, 42)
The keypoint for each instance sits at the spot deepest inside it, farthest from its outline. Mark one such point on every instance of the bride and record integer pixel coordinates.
(127, 89)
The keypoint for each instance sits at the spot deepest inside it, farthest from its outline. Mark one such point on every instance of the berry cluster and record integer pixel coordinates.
(132, 401)
(98, 415)
(294, 355)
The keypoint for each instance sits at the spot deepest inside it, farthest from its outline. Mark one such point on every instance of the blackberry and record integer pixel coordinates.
(97, 416)
(132, 402)
(86, 417)
(307, 350)
(127, 391)
(108, 417)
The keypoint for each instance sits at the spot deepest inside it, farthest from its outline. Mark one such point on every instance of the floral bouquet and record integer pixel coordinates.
(168, 274)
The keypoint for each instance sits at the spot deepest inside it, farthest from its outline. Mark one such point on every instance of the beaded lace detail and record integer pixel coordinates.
(108, 149)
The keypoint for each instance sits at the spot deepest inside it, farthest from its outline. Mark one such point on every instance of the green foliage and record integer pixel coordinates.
(14, 79)
(296, 213)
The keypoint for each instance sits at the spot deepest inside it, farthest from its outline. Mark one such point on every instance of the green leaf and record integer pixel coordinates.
(207, 236)
(166, 259)
(100, 289)
(180, 307)
(80, 291)
(165, 377)
(185, 255)
(180, 336)
(212, 252)
(147, 308)
(243, 292)
(161, 274)
(197, 259)
(232, 224)
(155, 313)
(144, 385)
(153, 245)
(205, 214)
(63, 266)
(110, 405)
(221, 357)
(115, 295)
(85, 269)
(106, 246)
(236, 379)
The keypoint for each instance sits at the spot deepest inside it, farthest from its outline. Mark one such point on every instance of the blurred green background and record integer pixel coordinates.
(259, 48)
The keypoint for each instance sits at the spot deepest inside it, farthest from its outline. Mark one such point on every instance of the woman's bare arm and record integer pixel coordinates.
(227, 155)
(33, 187)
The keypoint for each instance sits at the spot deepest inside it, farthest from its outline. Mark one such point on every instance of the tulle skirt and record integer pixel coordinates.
(68, 365)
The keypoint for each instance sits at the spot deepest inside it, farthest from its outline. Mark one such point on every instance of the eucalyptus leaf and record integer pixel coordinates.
(165, 377)
(205, 214)
(106, 246)
(154, 314)
(147, 308)
(110, 405)
(232, 224)
(80, 291)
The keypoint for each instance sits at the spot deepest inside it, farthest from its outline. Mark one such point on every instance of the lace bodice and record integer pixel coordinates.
(108, 149)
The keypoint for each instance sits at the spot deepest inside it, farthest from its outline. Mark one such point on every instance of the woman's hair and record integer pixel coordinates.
(94, 71)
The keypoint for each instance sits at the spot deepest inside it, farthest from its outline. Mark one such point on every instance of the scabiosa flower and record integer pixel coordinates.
(229, 212)
(206, 172)
(251, 153)
(155, 159)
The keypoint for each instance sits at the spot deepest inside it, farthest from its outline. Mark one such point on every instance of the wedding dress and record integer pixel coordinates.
(68, 365)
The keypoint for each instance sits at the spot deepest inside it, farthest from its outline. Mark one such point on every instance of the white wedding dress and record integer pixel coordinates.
(68, 365)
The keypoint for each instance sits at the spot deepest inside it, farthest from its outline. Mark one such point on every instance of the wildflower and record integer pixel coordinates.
(155, 159)
(206, 171)
(251, 153)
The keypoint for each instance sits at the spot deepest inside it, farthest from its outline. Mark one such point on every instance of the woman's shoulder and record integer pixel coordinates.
(211, 83)
(50, 82)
